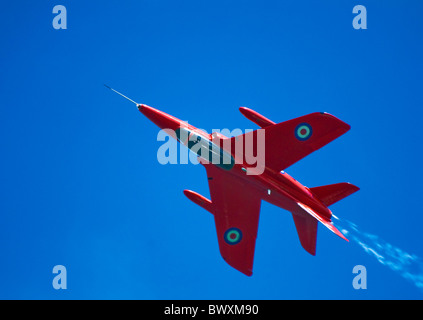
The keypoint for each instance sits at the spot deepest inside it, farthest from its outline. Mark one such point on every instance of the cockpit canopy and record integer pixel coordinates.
(205, 148)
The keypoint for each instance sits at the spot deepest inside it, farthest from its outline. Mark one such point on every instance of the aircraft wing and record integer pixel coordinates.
(290, 141)
(236, 209)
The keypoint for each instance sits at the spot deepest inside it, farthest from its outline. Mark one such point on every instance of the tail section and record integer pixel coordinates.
(306, 222)
(328, 224)
(306, 219)
(334, 192)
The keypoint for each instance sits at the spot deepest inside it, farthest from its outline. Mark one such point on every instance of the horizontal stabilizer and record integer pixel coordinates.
(333, 193)
(325, 222)
(307, 231)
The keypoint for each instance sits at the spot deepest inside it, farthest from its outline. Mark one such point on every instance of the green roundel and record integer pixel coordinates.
(303, 131)
(233, 236)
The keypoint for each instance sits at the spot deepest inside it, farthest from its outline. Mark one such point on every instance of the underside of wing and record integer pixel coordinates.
(290, 141)
(236, 210)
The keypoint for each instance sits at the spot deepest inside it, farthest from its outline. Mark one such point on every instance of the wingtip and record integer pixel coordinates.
(247, 272)
(344, 126)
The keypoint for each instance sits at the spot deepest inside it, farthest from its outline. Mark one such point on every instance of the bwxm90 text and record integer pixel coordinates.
(233, 309)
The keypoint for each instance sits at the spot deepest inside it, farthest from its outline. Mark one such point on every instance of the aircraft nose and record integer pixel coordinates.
(141, 106)
(160, 118)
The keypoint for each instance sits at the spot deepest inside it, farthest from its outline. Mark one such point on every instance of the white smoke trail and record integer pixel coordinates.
(409, 266)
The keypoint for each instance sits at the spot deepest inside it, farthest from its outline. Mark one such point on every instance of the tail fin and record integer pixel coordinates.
(334, 192)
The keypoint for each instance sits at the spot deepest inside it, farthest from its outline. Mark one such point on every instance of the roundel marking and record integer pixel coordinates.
(233, 236)
(303, 131)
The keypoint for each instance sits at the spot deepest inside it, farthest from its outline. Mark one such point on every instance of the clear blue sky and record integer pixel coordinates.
(80, 184)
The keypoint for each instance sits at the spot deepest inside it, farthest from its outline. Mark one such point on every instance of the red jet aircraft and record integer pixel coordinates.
(236, 196)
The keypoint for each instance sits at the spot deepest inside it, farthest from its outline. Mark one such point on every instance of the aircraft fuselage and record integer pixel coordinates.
(277, 188)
